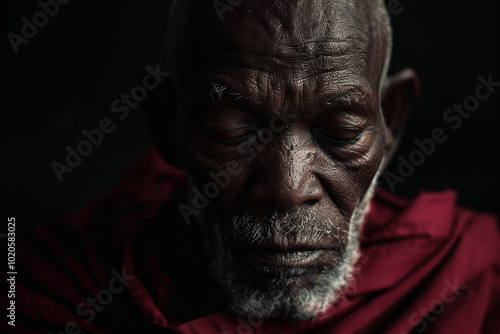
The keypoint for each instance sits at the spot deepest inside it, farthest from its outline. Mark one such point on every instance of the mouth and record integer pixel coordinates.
(291, 259)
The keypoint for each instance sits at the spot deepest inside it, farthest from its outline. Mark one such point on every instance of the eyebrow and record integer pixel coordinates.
(352, 97)
(221, 92)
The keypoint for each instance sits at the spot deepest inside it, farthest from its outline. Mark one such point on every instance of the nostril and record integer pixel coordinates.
(311, 202)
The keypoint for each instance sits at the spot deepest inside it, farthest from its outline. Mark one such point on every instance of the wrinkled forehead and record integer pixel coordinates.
(286, 24)
(302, 37)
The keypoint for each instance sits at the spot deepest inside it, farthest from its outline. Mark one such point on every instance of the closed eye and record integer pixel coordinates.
(339, 141)
(230, 138)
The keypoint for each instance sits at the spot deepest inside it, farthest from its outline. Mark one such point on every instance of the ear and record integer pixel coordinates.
(161, 107)
(398, 94)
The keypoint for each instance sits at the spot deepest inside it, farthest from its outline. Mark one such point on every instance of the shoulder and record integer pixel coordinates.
(435, 254)
(433, 216)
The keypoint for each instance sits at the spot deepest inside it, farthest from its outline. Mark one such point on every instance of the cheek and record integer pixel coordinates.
(347, 181)
(209, 163)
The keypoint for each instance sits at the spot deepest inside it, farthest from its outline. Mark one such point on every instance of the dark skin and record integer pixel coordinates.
(327, 75)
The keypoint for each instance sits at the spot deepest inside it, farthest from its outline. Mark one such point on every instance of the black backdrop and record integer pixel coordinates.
(64, 79)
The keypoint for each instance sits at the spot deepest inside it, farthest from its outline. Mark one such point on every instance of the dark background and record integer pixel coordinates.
(65, 78)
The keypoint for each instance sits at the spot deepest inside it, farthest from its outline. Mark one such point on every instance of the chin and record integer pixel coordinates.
(297, 293)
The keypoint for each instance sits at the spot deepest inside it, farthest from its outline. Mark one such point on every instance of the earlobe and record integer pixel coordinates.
(161, 107)
(398, 94)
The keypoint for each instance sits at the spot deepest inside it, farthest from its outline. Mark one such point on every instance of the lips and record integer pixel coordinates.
(296, 258)
(276, 252)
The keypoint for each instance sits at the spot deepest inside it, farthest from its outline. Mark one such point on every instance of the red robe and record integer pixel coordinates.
(427, 266)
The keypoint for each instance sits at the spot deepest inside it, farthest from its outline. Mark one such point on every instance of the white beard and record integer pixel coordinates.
(276, 300)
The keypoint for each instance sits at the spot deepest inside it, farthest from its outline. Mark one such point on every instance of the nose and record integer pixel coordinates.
(287, 179)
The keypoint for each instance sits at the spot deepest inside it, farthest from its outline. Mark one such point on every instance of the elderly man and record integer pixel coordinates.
(279, 117)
